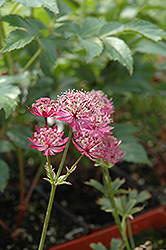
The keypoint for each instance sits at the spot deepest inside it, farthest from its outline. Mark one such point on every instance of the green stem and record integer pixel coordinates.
(108, 183)
(32, 59)
(48, 213)
(130, 235)
(64, 155)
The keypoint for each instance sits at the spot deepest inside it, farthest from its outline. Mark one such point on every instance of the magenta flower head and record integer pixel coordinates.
(48, 140)
(44, 107)
(91, 146)
(112, 154)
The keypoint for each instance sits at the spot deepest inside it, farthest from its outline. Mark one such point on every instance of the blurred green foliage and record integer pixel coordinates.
(117, 46)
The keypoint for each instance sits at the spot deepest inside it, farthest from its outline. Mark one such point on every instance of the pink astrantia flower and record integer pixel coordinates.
(112, 154)
(91, 146)
(84, 110)
(48, 140)
(44, 107)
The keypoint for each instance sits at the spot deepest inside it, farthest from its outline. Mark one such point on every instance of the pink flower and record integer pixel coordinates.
(44, 107)
(48, 140)
(112, 154)
(91, 146)
(85, 110)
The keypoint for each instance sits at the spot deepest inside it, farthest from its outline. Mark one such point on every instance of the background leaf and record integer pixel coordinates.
(6, 146)
(4, 175)
(117, 50)
(17, 39)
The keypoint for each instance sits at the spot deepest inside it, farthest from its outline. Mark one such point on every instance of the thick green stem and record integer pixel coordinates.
(108, 184)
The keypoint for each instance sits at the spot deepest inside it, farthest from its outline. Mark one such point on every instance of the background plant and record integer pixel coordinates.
(111, 45)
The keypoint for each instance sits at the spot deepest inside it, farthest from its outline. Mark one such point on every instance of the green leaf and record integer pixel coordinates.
(51, 4)
(9, 98)
(98, 246)
(116, 244)
(17, 39)
(93, 46)
(136, 210)
(28, 23)
(151, 47)
(18, 135)
(91, 26)
(6, 146)
(4, 175)
(49, 50)
(134, 152)
(105, 204)
(131, 203)
(117, 183)
(143, 196)
(111, 28)
(117, 50)
(2, 2)
(146, 29)
(97, 185)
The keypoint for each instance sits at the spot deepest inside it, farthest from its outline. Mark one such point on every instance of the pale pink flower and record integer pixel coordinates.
(48, 140)
(44, 107)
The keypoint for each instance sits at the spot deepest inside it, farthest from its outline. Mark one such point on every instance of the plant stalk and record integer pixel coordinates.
(108, 183)
(32, 59)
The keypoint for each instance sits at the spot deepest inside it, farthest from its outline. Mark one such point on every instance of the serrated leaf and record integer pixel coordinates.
(28, 23)
(6, 146)
(111, 28)
(97, 185)
(51, 4)
(117, 183)
(91, 26)
(49, 49)
(118, 50)
(131, 203)
(105, 204)
(146, 29)
(2, 2)
(93, 46)
(18, 135)
(9, 98)
(4, 175)
(98, 246)
(17, 39)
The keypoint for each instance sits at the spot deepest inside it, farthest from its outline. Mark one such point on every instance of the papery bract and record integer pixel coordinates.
(44, 107)
(48, 140)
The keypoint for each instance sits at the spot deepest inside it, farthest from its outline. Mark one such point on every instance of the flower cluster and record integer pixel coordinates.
(89, 114)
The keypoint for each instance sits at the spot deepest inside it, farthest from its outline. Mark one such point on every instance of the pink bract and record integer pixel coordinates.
(48, 140)
(44, 107)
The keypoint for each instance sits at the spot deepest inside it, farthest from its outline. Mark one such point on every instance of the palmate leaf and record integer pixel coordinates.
(17, 39)
(118, 50)
(4, 174)
(93, 46)
(51, 4)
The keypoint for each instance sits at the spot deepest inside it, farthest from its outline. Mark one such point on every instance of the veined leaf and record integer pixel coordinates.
(17, 39)
(118, 50)
(51, 4)
(28, 23)
(151, 47)
(49, 49)
(146, 29)
(111, 28)
(93, 46)
(4, 174)
(91, 26)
